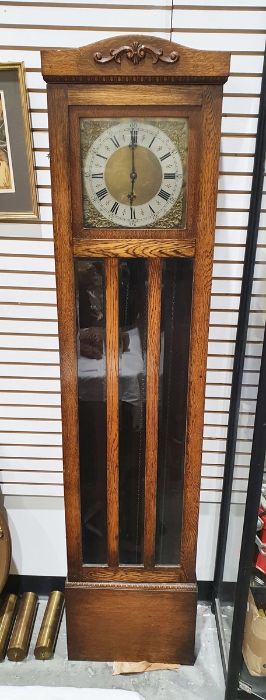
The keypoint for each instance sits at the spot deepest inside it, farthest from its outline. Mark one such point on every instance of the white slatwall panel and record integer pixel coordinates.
(30, 418)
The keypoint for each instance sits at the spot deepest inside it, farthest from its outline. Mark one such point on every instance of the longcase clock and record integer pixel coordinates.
(134, 124)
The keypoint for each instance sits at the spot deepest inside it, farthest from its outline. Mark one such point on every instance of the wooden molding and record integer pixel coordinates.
(136, 585)
(134, 59)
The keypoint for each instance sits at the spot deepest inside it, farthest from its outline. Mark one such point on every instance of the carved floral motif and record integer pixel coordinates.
(136, 52)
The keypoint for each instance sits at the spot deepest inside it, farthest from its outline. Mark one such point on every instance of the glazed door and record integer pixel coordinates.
(133, 319)
(133, 301)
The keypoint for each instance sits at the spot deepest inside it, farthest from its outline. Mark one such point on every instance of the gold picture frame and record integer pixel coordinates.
(18, 197)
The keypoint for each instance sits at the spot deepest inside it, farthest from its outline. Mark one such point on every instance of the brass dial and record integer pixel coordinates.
(133, 173)
(148, 179)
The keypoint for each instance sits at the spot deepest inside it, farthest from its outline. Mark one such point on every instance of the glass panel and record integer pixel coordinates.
(132, 404)
(92, 407)
(175, 333)
(134, 172)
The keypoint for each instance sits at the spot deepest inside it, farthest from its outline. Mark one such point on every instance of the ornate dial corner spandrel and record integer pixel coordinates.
(136, 52)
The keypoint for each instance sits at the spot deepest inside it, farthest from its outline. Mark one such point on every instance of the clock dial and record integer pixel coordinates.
(133, 173)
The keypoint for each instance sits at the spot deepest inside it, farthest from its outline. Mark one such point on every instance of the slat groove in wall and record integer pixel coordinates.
(132, 6)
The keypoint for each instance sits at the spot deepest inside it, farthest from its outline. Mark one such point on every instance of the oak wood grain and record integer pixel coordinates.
(112, 349)
(133, 95)
(135, 574)
(132, 611)
(75, 167)
(61, 202)
(131, 623)
(193, 65)
(134, 248)
(205, 227)
(152, 401)
(142, 234)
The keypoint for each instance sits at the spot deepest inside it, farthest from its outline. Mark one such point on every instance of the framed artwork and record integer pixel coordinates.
(18, 200)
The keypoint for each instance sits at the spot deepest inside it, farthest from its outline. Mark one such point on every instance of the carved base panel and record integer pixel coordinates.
(131, 622)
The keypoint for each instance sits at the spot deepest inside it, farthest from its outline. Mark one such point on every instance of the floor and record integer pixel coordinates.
(227, 613)
(203, 681)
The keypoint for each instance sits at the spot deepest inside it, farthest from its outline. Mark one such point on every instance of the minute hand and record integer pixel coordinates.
(133, 174)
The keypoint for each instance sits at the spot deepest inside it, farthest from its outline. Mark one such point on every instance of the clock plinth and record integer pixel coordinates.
(134, 127)
(131, 622)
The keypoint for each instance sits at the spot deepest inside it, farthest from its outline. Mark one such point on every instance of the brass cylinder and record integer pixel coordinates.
(19, 643)
(7, 616)
(47, 636)
(5, 550)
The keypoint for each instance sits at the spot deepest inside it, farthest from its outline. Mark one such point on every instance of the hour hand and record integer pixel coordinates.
(133, 177)
(131, 195)
(133, 174)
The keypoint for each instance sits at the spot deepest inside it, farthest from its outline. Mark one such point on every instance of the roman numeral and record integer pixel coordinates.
(132, 213)
(150, 144)
(166, 155)
(115, 141)
(100, 156)
(114, 208)
(164, 195)
(134, 137)
(152, 210)
(97, 176)
(169, 176)
(102, 193)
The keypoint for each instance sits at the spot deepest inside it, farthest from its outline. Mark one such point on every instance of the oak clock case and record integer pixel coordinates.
(134, 125)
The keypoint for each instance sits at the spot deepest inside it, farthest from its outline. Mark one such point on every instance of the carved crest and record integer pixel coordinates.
(135, 59)
(136, 52)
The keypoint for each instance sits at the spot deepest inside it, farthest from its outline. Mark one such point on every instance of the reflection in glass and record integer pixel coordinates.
(175, 334)
(132, 406)
(92, 407)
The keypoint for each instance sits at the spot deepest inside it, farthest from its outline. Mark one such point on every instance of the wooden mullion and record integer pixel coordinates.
(112, 357)
(152, 401)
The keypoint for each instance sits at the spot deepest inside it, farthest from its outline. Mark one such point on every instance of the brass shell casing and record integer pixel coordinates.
(7, 616)
(20, 638)
(47, 636)
(5, 549)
